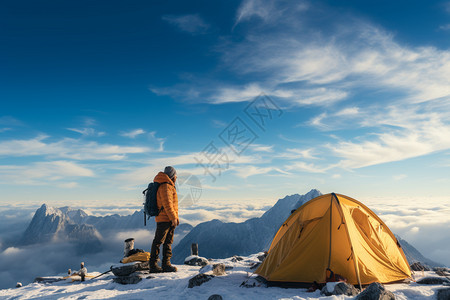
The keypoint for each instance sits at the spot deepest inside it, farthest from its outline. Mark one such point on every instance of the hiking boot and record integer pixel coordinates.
(154, 268)
(169, 268)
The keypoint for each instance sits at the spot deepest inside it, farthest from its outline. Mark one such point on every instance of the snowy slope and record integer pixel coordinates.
(175, 286)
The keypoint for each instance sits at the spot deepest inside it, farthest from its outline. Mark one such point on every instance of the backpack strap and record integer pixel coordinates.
(162, 207)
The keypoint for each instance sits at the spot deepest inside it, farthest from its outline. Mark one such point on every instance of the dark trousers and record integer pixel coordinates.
(163, 234)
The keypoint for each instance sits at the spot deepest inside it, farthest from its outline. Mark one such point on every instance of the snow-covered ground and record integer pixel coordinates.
(175, 286)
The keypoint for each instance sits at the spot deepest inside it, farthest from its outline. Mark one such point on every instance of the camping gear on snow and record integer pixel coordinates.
(138, 256)
(82, 272)
(150, 204)
(76, 277)
(338, 233)
(102, 273)
(129, 245)
(130, 254)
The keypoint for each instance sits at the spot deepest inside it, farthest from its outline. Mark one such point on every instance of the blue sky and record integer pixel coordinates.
(96, 97)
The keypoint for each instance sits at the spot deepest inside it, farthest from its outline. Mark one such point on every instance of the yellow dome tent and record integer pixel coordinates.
(334, 232)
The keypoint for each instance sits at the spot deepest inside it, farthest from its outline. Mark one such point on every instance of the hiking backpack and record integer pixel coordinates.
(150, 204)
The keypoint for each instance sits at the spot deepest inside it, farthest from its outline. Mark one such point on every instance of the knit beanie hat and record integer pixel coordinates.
(170, 171)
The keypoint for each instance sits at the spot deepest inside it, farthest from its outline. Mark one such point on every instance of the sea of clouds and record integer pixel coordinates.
(423, 223)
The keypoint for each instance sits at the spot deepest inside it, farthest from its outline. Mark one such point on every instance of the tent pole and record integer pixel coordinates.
(349, 240)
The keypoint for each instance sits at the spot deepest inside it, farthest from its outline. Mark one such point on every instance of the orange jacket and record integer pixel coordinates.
(166, 197)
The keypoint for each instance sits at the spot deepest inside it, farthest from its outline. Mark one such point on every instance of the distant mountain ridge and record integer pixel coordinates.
(217, 239)
(65, 224)
(413, 255)
(51, 224)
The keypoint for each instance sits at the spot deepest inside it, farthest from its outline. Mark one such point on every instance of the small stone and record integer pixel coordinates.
(199, 279)
(418, 266)
(218, 269)
(129, 269)
(375, 291)
(442, 271)
(195, 260)
(236, 258)
(18, 285)
(340, 288)
(262, 257)
(433, 280)
(133, 279)
(215, 297)
(255, 265)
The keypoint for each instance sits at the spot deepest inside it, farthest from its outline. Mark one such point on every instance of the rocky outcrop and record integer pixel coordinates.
(339, 288)
(199, 279)
(375, 291)
(433, 280)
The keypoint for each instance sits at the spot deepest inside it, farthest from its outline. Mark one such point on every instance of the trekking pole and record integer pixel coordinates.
(101, 274)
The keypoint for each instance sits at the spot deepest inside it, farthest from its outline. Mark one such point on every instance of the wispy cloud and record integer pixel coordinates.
(294, 154)
(399, 177)
(261, 148)
(87, 131)
(67, 148)
(133, 133)
(44, 173)
(265, 10)
(191, 23)
(306, 167)
(10, 121)
(447, 7)
(407, 132)
(445, 27)
(247, 171)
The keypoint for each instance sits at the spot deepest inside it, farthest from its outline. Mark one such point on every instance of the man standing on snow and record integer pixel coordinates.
(166, 221)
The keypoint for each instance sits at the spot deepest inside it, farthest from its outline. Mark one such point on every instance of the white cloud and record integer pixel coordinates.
(44, 172)
(10, 121)
(12, 251)
(247, 171)
(445, 27)
(192, 23)
(414, 229)
(67, 148)
(87, 131)
(133, 133)
(349, 111)
(261, 148)
(423, 138)
(187, 163)
(297, 153)
(306, 167)
(5, 129)
(265, 10)
(447, 7)
(399, 177)
(219, 124)
(68, 185)
(317, 121)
